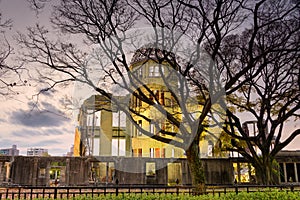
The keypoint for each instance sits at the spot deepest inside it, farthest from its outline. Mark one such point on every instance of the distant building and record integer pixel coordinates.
(13, 151)
(37, 152)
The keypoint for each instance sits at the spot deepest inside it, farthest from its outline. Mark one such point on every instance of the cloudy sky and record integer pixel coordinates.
(49, 122)
(28, 120)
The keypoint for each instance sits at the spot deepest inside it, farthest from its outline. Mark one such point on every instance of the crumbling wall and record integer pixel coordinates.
(4, 169)
(36, 171)
(76, 171)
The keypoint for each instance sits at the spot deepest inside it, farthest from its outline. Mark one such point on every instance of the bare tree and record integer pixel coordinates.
(9, 72)
(270, 99)
(190, 37)
(6, 50)
(270, 102)
(37, 6)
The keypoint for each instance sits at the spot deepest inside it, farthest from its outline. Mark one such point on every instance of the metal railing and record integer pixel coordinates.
(23, 192)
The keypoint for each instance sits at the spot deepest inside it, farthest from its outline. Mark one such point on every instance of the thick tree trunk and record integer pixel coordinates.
(196, 168)
(267, 173)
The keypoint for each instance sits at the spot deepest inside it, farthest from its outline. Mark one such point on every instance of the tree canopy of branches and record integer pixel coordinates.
(219, 47)
(5, 51)
(9, 73)
(271, 98)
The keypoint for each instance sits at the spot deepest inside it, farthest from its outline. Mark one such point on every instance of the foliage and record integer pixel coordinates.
(274, 195)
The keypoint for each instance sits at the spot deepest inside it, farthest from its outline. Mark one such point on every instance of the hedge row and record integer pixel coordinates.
(273, 195)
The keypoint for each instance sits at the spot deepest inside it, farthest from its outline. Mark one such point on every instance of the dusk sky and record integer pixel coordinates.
(49, 122)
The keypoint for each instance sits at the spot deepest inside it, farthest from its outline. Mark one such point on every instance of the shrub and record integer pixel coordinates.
(264, 195)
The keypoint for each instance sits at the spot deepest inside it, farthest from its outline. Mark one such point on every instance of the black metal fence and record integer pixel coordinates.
(69, 192)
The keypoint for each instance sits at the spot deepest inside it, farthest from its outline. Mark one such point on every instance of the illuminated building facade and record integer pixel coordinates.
(104, 130)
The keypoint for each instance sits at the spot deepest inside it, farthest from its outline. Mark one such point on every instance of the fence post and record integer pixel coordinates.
(117, 188)
(19, 193)
(177, 186)
(55, 193)
(6, 193)
(68, 192)
(236, 189)
(292, 188)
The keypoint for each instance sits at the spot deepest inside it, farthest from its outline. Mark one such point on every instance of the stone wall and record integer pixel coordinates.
(218, 171)
(4, 172)
(74, 171)
(36, 171)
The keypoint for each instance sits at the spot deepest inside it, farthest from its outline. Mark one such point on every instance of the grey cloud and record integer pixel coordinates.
(37, 118)
(45, 143)
(25, 133)
(36, 132)
(54, 131)
(43, 105)
(50, 107)
(7, 143)
(2, 121)
(48, 93)
(31, 104)
(68, 130)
